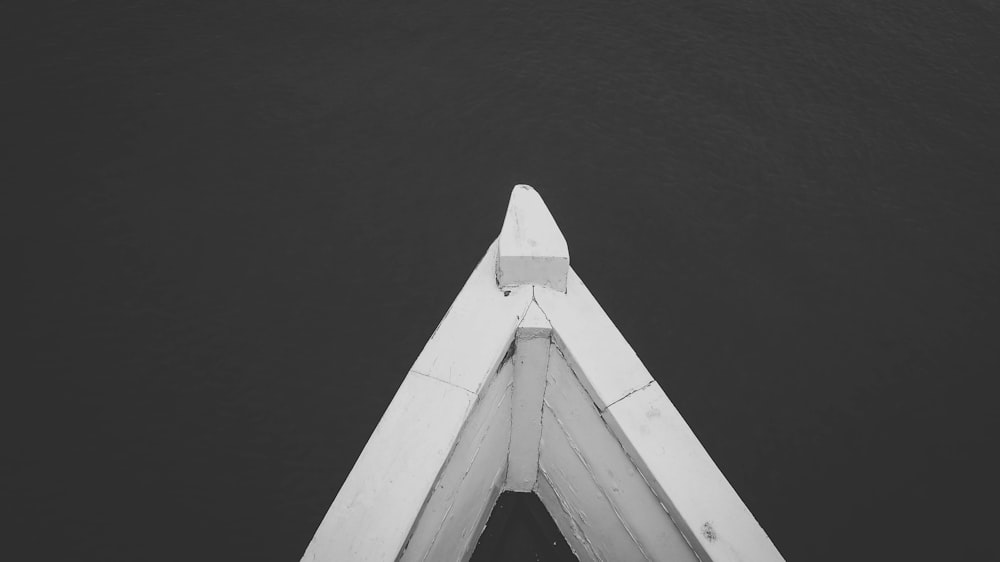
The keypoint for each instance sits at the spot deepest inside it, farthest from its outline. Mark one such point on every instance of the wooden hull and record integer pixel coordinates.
(528, 386)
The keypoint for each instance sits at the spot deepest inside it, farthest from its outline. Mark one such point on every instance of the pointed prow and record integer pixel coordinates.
(532, 250)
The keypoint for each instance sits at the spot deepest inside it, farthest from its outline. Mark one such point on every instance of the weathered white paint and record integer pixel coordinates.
(382, 497)
(444, 528)
(560, 514)
(594, 518)
(592, 343)
(620, 481)
(531, 356)
(412, 449)
(478, 524)
(476, 331)
(672, 459)
(474, 477)
(665, 451)
(527, 385)
(532, 249)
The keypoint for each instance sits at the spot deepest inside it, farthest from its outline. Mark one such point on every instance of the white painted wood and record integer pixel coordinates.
(482, 476)
(484, 516)
(529, 386)
(534, 324)
(704, 504)
(706, 509)
(593, 517)
(477, 330)
(531, 356)
(532, 249)
(444, 528)
(618, 479)
(382, 497)
(560, 514)
(592, 343)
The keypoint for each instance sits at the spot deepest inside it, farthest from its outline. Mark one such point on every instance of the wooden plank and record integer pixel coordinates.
(594, 518)
(446, 526)
(701, 500)
(532, 250)
(477, 330)
(376, 507)
(614, 473)
(494, 493)
(591, 342)
(531, 356)
(560, 514)
(499, 397)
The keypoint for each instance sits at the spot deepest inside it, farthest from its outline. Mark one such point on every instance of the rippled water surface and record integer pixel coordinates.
(238, 223)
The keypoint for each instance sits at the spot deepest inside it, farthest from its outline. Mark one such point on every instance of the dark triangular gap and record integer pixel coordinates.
(521, 529)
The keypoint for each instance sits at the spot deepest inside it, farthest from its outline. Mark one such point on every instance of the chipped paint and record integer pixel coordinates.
(382, 497)
(484, 473)
(621, 482)
(587, 506)
(527, 385)
(559, 512)
(462, 475)
(686, 479)
(591, 342)
(530, 364)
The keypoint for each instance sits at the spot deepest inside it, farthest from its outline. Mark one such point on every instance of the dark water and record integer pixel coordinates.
(520, 528)
(236, 223)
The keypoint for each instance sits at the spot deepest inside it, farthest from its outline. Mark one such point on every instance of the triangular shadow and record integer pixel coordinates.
(520, 529)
